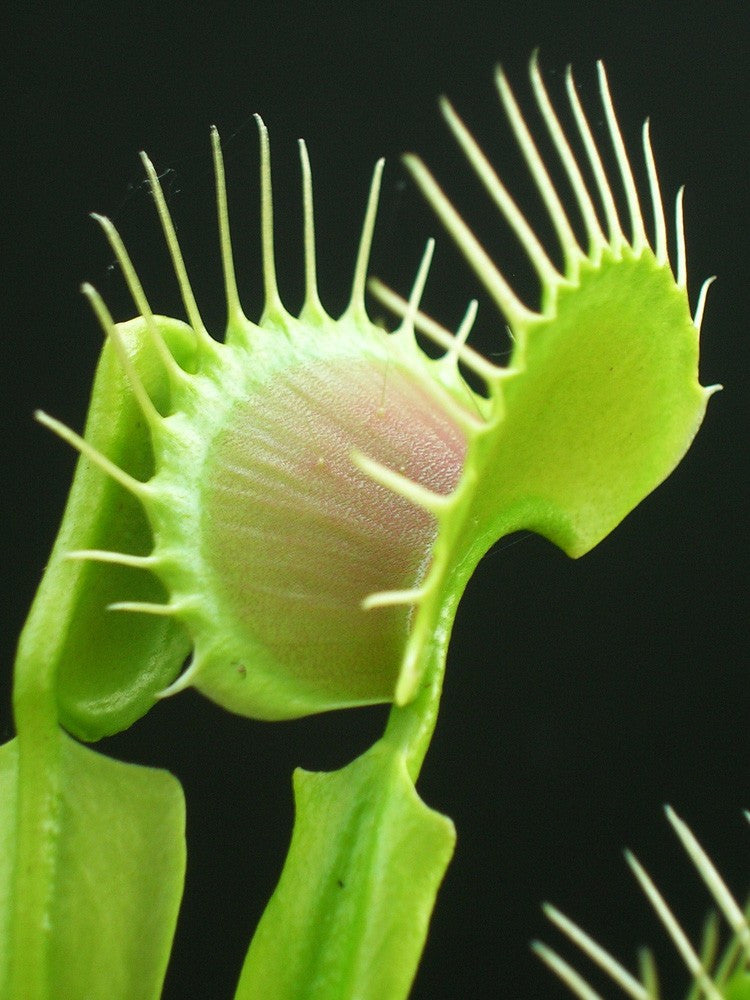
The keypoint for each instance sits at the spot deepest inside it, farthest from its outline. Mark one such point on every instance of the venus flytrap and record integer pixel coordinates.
(716, 976)
(301, 505)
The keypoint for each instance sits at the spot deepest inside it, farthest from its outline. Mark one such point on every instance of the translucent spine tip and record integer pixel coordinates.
(458, 345)
(572, 253)
(188, 299)
(683, 946)
(660, 224)
(391, 598)
(407, 323)
(714, 882)
(701, 306)
(272, 307)
(138, 489)
(312, 307)
(437, 333)
(144, 608)
(515, 311)
(456, 350)
(173, 370)
(184, 681)
(356, 306)
(151, 415)
(628, 983)
(544, 267)
(235, 314)
(434, 503)
(681, 275)
(639, 240)
(615, 234)
(586, 206)
(117, 558)
(565, 972)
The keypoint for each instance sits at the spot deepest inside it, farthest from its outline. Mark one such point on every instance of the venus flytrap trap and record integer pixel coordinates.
(715, 974)
(300, 506)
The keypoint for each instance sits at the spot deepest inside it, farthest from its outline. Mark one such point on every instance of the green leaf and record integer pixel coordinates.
(605, 404)
(8, 793)
(349, 917)
(69, 627)
(115, 842)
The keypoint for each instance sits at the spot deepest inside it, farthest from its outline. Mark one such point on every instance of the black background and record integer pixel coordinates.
(580, 696)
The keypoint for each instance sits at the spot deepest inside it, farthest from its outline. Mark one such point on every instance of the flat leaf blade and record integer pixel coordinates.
(8, 793)
(350, 914)
(119, 869)
(604, 405)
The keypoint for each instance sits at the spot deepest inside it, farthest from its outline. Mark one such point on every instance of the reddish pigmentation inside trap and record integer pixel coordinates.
(297, 535)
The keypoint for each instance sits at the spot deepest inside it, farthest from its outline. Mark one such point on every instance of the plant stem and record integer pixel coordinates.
(410, 727)
(37, 805)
